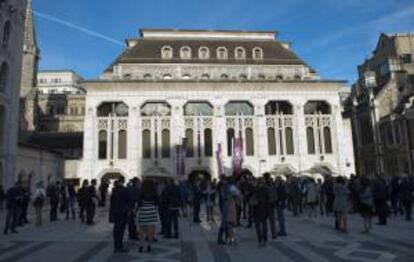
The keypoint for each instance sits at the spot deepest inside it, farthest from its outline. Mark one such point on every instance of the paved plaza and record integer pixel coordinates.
(308, 240)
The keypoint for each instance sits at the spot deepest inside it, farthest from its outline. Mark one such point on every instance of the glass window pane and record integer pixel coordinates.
(230, 137)
(328, 141)
(239, 108)
(289, 141)
(146, 144)
(189, 134)
(103, 142)
(122, 144)
(271, 140)
(311, 140)
(165, 141)
(249, 142)
(208, 142)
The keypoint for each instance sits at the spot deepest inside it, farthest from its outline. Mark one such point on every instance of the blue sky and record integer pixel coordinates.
(332, 36)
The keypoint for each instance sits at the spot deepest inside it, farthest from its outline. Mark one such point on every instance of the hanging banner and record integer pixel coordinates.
(237, 155)
(220, 168)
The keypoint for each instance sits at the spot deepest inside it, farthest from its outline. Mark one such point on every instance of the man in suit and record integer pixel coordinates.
(118, 213)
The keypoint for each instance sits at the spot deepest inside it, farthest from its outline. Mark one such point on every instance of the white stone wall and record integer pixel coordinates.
(135, 94)
(34, 165)
(13, 11)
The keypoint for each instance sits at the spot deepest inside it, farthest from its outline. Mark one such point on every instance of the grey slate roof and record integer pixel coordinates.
(149, 51)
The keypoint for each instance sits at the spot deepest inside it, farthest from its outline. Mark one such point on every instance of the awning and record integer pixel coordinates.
(320, 169)
(283, 169)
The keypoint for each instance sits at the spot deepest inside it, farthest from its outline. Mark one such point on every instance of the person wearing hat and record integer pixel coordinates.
(38, 201)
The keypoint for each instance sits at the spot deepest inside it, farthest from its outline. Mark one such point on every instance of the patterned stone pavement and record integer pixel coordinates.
(308, 240)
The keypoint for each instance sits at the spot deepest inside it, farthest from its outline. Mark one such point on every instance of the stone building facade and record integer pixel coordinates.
(382, 110)
(12, 24)
(209, 87)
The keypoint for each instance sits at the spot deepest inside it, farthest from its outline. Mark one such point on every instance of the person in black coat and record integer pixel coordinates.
(261, 207)
(197, 197)
(82, 196)
(133, 191)
(103, 190)
(13, 197)
(90, 202)
(118, 213)
(281, 205)
(174, 201)
(53, 194)
(380, 200)
(406, 193)
(68, 199)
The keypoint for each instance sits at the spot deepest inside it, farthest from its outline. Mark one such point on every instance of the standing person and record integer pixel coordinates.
(118, 213)
(380, 200)
(261, 207)
(12, 205)
(38, 202)
(322, 198)
(210, 196)
(281, 205)
(24, 205)
(184, 197)
(366, 202)
(133, 190)
(233, 198)
(312, 198)
(197, 197)
(272, 204)
(53, 194)
(82, 197)
(147, 214)
(90, 202)
(222, 188)
(407, 192)
(2, 197)
(173, 211)
(340, 205)
(68, 199)
(328, 188)
(163, 209)
(396, 195)
(103, 190)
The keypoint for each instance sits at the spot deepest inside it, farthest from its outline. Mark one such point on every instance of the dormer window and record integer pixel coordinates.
(257, 53)
(222, 53)
(205, 76)
(239, 53)
(224, 76)
(203, 53)
(185, 52)
(167, 52)
(167, 76)
(279, 77)
(261, 77)
(186, 76)
(243, 77)
(147, 76)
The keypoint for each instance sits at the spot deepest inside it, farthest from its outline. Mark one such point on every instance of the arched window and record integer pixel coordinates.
(249, 142)
(146, 143)
(271, 141)
(327, 140)
(243, 77)
(239, 53)
(147, 76)
(203, 52)
(208, 142)
(119, 109)
(297, 77)
(4, 74)
(261, 77)
(122, 144)
(167, 52)
(165, 143)
(189, 134)
(230, 138)
(278, 107)
(166, 76)
(103, 144)
(289, 141)
(310, 135)
(222, 53)
(224, 76)
(279, 77)
(198, 109)
(317, 107)
(6, 34)
(185, 52)
(234, 108)
(156, 109)
(205, 76)
(257, 53)
(186, 76)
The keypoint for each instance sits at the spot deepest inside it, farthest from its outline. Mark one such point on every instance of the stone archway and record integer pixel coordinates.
(110, 178)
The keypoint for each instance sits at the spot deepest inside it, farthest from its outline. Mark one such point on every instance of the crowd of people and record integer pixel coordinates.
(239, 201)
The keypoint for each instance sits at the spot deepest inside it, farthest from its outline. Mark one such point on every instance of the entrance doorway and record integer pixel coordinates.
(110, 178)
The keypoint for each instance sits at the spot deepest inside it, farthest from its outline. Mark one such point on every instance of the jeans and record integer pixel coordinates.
(261, 229)
(119, 229)
(11, 219)
(196, 212)
(272, 222)
(54, 209)
(90, 213)
(38, 211)
(69, 203)
(172, 223)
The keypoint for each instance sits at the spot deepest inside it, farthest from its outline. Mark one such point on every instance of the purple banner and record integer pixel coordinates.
(219, 161)
(237, 155)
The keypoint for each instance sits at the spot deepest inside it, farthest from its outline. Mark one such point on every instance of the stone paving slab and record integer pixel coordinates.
(308, 240)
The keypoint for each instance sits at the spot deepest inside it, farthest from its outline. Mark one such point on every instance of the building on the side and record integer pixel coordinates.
(12, 24)
(209, 87)
(382, 110)
(60, 102)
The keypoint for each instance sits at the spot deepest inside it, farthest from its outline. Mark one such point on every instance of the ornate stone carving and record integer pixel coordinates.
(309, 121)
(165, 123)
(123, 124)
(146, 124)
(103, 124)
